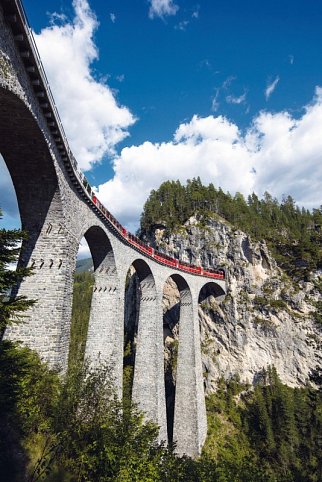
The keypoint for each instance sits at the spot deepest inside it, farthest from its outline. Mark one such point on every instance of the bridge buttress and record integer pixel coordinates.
(51, 253)
(190, 422)
(31, 143)
(105, 329)
(148, 383)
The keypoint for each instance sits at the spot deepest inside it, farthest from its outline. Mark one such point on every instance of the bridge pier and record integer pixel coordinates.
(148, 383)
(104, 342)
(190, 421)
(36, 152)
(51, 252)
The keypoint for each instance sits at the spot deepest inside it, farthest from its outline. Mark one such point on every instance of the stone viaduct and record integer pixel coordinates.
(57, 212)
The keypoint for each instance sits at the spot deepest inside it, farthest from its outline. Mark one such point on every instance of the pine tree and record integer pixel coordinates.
(11, 307)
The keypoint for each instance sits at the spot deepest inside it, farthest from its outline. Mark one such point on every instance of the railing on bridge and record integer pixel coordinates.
(17, 18)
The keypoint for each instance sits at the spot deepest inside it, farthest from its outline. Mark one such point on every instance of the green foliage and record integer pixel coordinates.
(128, 372)
(73, 428)
(294, 235)
(102, 441)
(271, 433)
(227, 444)
(82, 295)
(11, 307)
(318, 313)
(28, 391)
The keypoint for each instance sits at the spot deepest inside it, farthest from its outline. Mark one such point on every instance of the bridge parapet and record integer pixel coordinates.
(57, 207)
(17, 19)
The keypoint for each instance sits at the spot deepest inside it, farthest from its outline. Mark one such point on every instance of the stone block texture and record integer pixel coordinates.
(57, 213)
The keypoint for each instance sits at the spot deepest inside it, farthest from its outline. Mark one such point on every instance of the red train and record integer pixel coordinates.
(144, 248)
(68, 156)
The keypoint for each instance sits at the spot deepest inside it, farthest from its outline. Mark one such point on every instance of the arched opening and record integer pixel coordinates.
(210, 314)
(211, 291)
(177, 311)
(143, 345)
(104, 315)
(29, 162)
(132, 299)
(48, 248)
(140, 295)
(8, 199)
(82, 298)
(171, 317)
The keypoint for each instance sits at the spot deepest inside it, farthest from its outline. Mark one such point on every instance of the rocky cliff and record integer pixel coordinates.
(265, 318)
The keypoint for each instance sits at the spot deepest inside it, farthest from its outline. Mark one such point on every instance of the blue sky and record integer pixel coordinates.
(156, 89)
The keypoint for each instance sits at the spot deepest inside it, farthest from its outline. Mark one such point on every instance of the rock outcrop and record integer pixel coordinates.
(265, 319)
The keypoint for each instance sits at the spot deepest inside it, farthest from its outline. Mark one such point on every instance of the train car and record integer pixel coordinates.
(144, 248)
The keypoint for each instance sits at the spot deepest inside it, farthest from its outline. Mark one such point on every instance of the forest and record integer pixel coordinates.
(73, 428)
(293, 234)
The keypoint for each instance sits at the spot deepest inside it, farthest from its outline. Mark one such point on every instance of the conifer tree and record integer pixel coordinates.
(11, 307)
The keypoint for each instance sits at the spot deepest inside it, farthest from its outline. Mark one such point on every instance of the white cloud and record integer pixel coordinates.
(83, 250)
(277, 153)
(231, 99)
(162, 8)
(227, 82)
(215, 101)
(182, 25)
(291, 59)
(113, 17)
(93, 120)
(8, 199)
(55, 17)
(271, 87)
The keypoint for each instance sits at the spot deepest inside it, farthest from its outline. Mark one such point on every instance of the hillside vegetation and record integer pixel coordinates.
(82, 296)
(72, 428)
(294, 235)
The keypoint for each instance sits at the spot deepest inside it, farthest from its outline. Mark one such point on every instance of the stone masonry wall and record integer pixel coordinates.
(57, 215)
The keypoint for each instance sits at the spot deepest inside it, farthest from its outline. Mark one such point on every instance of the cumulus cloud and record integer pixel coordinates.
(271, 87)
(277, 153)
(162, 8)
(93, 120)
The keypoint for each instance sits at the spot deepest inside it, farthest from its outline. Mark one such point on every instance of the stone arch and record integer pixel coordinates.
(31, 167)
(190, 425)
(148, 383)
(210, 296)
(210, 289)
(49, 248)
(101, 249)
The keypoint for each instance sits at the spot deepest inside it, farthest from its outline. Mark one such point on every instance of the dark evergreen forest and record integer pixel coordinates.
(293, 234)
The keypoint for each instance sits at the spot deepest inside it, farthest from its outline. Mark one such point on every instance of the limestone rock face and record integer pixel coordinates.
(265, 319)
